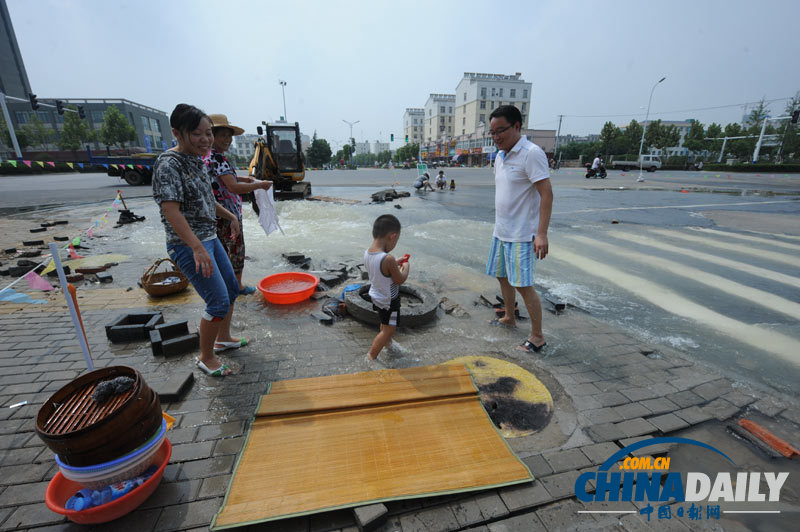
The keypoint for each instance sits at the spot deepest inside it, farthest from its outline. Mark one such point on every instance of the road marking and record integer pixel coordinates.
(757, 337)
(737, 248)
(754, 295)
(696, 206)
(749, 238)
(721, 261)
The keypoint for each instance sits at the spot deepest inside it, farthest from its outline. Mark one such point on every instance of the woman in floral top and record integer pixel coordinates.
(227, 189)
(182, 188)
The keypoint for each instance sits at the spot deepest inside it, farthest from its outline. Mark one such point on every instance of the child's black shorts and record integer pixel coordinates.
(391, 315)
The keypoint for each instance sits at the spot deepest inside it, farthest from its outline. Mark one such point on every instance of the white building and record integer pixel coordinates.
(379, 147)
(477, 95)
(305, 142)
(413, 124)
(244, 145)
(362, 147)
(439, 116)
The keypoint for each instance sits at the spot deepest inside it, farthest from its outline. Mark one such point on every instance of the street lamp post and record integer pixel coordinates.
(351, 124)
(283, 91)
(647, 116)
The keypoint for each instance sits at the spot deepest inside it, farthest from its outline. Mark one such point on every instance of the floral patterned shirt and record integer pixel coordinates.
(185, 179)
(218, 166)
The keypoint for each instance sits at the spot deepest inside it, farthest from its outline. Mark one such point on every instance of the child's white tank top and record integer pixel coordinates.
(382, 290)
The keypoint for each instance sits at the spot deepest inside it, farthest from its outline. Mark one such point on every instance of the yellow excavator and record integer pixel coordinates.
(279, 158)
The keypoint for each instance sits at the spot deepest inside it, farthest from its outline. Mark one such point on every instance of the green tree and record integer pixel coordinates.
(741, 148)
(406, 153)
(652, 135)
(38, 132)
(608, 138)
(670, 137)
(116, 129)
(695, 138)
(714, 131)
(757, 115)
(75, 133)
(319, 152)
(384, 157)
(632, 137)
(789, 133)
(24, 138)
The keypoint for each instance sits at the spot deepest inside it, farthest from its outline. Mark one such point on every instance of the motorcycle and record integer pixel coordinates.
(595, 173)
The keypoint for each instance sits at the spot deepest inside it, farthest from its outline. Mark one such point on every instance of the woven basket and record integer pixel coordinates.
(151, 277)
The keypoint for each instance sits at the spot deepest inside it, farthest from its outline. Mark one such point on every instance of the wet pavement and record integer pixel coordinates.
(611, 382)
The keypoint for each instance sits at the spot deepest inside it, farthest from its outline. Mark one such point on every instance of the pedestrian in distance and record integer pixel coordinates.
(228, 188)
(423, 182)
(386, 274)
(452, 184)
(523, 204)
(182, 189)
(441, 180)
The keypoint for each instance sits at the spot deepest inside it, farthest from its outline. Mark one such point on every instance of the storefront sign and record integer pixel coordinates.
(489, 149)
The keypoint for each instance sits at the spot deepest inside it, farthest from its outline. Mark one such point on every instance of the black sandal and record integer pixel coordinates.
(528, 346)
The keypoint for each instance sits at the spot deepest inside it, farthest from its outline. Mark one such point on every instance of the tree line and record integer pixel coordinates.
(616, 141)
(75, 133)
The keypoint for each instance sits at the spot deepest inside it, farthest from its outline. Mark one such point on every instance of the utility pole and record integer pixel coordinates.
(761, 136)
(351, 124)
(558, 134)
(646, 118)
(283, 91)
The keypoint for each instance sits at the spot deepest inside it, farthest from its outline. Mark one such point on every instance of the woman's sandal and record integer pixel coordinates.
(528, 346)
(498, 323)
(229, 345)
(221, 371)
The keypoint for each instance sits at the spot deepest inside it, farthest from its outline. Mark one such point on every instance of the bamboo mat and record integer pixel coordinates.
(347, 440)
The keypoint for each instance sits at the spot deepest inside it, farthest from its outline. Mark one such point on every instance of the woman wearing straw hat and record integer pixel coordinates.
(228, 188)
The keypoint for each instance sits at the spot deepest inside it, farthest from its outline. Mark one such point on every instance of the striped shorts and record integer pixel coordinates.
(514, 260)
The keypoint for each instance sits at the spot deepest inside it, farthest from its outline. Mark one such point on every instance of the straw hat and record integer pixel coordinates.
(222, 121)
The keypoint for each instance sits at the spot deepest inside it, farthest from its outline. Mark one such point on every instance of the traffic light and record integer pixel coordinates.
(34, 101)
(406, 139)
(81, 112)
(391, 137)
(60, 107)
(795, 116)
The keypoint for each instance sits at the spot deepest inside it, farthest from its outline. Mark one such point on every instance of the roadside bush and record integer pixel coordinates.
(771, 168)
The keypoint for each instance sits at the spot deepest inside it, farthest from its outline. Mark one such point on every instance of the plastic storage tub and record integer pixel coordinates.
(123, 468)
(287, 288)
(60, 489)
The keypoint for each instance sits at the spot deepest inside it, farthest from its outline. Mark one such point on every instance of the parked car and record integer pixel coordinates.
(649, 162)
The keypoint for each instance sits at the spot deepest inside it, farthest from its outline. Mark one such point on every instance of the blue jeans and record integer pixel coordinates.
(218, 291)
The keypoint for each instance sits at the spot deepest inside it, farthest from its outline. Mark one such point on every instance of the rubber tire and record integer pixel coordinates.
(410, 317)
(134, 178)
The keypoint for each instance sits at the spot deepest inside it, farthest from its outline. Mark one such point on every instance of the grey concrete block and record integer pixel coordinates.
(739, 399)
(132, 327)
(529, 522)
(639, 394)
(174, 388)
(660, 405)
(604, 432)
(600, 415)
(611, 399)
(631, 411)
(538, 465)
(566, 460)
(370, 517)
(435, 518)
(491, 505)
(685, 399)
(562, 485)
(528, 495)
(635, 427)
(769, 406)
(693, 415)
(599, 452)
(467, 511)
(714, 389)
(721, 409)
(668, 422)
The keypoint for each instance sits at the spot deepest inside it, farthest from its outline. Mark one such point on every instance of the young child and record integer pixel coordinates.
(385, 277)
(441, 180)
(452, 184)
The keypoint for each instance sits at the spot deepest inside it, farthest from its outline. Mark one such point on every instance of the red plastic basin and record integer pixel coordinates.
(287, 288)
(60, 489)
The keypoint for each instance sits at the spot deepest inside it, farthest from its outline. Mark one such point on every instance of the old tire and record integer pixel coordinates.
(418, 315)
(133, 178)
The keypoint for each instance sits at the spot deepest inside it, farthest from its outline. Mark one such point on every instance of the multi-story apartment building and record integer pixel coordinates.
(380, 147)
(477, 95)
(413, 124)
(244, 145)
(362, 147)
(439, 116)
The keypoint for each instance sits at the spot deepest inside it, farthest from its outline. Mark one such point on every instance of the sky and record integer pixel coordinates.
(369, 61)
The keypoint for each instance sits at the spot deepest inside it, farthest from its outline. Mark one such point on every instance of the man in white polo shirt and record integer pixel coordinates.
(523, 202)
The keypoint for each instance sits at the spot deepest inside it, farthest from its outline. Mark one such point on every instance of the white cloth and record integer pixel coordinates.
(382, 289)
(268, 215)
(596, 163)
(516, 200)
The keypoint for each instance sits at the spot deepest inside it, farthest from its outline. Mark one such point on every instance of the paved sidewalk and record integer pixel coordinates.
(609, 390)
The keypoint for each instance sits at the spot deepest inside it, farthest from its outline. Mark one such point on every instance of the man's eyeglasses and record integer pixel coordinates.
(498, 131)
